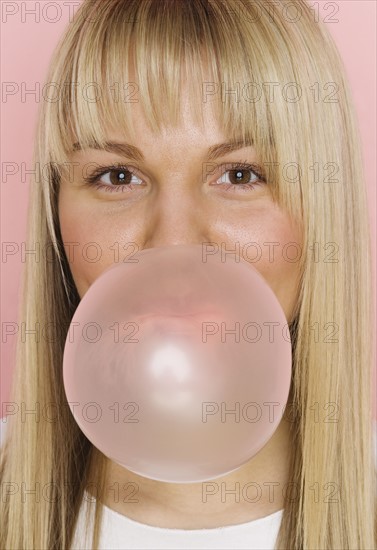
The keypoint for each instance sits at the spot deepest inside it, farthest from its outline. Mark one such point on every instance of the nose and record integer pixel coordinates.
(177, 216)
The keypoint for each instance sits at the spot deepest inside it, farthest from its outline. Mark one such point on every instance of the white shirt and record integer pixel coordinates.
(121, 532)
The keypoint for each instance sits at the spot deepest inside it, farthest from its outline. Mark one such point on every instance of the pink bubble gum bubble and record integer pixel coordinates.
(181, 381)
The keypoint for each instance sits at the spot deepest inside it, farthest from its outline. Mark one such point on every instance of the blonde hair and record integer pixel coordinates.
(239, 42)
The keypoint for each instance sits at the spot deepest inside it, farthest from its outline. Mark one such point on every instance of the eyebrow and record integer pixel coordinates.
(132, 152)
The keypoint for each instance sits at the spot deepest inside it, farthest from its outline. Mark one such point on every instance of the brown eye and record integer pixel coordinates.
(239, 176)
(120, 177)
(112, 178)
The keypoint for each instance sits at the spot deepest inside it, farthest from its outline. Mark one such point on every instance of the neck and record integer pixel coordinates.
(253, 491)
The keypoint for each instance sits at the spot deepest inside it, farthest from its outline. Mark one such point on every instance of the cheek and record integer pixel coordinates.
(93, 241)
(280, 266)
(90, 242)
(277, 250)
(272, 244)
(281, 249)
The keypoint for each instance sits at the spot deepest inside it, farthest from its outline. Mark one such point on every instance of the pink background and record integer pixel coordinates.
(26, 46)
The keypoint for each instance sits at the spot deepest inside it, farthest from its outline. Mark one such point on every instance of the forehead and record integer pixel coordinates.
(189, 128)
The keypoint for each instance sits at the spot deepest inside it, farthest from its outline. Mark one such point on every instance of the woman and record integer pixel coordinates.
(173, 79)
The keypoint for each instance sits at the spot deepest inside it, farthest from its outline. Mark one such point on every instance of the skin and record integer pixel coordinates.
(176, 206)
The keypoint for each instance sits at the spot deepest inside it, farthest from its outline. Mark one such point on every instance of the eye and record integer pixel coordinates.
(114, 178)
(242, 176)
(119, 178)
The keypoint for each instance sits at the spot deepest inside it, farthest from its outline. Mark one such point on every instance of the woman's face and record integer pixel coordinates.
(178, 196)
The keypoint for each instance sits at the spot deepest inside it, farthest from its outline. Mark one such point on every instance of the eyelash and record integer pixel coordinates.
(93, 179)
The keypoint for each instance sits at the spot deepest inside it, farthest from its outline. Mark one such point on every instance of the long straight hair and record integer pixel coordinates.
(294, 103)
